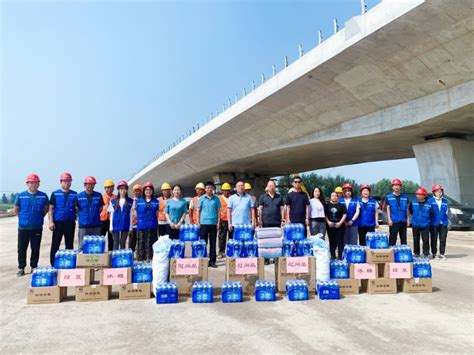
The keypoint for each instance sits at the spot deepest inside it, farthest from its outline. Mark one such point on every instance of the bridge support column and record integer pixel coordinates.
(449, 162)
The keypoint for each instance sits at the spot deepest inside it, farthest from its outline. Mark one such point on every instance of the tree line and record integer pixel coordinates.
(9, 199)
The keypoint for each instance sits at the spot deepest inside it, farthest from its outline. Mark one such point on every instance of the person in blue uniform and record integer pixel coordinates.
(397, 213)
(420, 211)
(369, 213)
(439, 222)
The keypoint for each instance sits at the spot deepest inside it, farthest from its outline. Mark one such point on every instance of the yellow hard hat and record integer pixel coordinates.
(165, 186)
(338, 189)
(137, 187)
(226, 186)
(200, 185)
(248, 186)
(108, 183)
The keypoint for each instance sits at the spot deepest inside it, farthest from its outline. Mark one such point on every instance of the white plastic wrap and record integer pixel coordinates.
(161, 261)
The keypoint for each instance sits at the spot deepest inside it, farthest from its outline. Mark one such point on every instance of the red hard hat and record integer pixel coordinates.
(65, 177)
(122, 183)
(421, 191)
(90, 180)
(365, 186)
(148, 184)
(436, 187)
(347, 186)
(396, 181)
(32, 178)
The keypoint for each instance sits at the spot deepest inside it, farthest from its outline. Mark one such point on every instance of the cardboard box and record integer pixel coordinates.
(115, 276)
(75, 277)
(348, 286)
(44, 295)
(363, 271)
(397, 270)
(135, 291)
(245, 270)
(415, 285)
(186, 271)
(295, 268)
(93, 260)
(377, 256)
(380, 286)
(92, 293)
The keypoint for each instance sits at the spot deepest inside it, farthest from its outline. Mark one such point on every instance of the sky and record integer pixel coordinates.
(100, 87)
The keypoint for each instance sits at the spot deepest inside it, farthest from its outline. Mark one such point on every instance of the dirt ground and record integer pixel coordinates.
(437, 322)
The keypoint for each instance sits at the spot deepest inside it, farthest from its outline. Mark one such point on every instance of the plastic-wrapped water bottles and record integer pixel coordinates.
(243, 232)
(189, 233)
(166, 292)
(250, 249)
(297, 290)
(122, 258)
(199, 249)
(304, 248)
(202, 292)
(231, 292)
(142, 272)
(402, 254)
(339, 269)
(288, 248)
(265, 291)
(422, 268)
(44, 277)
(354, 254)
(177, 249)
(294, 231)
(93, 244)
(328, 290)
(376, 240)
(235, 249)
(65, 259)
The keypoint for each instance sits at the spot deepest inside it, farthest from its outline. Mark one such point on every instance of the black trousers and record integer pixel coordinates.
(399, 228)
(363, 232)
(336, 241)
(208, 232)
(105, 230)
(132, 239)
(425, 237)
(25, 237)
(438, 232)
(146, 239)
(62, 228)
(162, 229)
(222, 235)
(173, 233)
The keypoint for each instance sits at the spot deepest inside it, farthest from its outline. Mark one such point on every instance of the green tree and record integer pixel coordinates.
(13, 197)
(4, 199)
(384, 187)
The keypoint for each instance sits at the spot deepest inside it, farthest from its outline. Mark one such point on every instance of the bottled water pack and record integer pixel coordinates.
(250, 249)
(202, 292)
(376, 240)
(422, 268)
(189, 233)
(304, 248)
(44, 277)
(294, 231)
(199, 249)
(177, 249)
(231, 292)
(402, 254)
(93, 244)
(339, 269)
(166, 292)
(297, 290)
(142, 272)
(65, 259)
(354, 254)
(265, 291)
(122, 258)
(328, 290)
(243, 232)
(234, 248)
(288, 248)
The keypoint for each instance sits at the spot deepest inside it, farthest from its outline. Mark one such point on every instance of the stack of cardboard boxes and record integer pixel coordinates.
(246, 270)
(295, 268)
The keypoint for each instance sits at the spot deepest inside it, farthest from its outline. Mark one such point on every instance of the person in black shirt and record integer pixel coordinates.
(336, 213)
(297, 203)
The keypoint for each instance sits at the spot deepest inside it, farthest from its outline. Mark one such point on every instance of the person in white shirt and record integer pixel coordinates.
(317, 216)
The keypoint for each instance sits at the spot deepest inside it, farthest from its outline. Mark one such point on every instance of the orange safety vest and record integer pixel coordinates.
(195, 209)
(224, 202)
(104, 215)
(161, 209)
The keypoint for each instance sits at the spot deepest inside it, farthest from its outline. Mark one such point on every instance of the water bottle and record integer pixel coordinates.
(238, 252)
(230, 248)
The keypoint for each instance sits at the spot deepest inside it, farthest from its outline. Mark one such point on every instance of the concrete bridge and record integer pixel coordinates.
(395, 82)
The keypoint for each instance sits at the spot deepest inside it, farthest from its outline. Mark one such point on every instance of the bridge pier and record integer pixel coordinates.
(449, 162)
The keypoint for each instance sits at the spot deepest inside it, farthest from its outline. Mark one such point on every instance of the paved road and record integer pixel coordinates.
(428, 323)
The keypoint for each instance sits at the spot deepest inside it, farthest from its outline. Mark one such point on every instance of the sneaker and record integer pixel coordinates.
(221, 256)
(443, 257)
(32, 269)
(427, 256)
(416, 255)
(20, 272)
(437, 257)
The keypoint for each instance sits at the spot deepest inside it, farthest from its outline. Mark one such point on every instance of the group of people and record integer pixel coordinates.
(142, 218)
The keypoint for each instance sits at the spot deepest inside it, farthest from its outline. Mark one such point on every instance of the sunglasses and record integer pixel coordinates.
(296, 182)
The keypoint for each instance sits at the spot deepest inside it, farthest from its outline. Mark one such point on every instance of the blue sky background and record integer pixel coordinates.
(99, 87)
